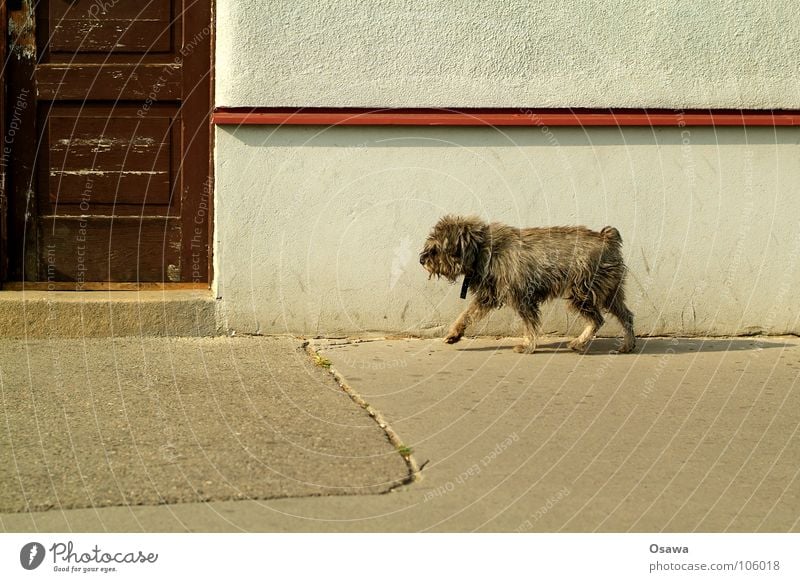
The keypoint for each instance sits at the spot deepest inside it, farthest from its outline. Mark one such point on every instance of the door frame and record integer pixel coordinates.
(3, 151)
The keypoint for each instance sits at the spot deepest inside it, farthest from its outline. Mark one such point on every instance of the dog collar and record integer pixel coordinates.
(465, 286)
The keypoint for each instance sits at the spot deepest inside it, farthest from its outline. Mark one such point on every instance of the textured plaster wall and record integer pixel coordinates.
(318, 230)
(509, 53)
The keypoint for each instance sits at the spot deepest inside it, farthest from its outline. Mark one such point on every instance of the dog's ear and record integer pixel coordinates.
(471, 239)
(448, 230)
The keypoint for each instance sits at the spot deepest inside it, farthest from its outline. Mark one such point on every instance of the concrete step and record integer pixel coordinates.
(68, 314)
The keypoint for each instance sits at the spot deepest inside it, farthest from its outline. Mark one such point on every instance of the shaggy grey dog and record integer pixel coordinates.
(522, 268)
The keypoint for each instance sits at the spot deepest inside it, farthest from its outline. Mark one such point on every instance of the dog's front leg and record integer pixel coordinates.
(471, 315)
(530, 321)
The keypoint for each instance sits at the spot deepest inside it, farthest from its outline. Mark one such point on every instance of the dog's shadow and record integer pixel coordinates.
(655, 345)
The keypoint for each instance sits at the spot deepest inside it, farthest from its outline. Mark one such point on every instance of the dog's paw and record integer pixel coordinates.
(579, 347)
(452, 338)
(624, 349)
(523, 349)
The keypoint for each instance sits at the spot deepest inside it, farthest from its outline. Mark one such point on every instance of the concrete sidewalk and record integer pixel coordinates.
(145, 421)
(684, 435)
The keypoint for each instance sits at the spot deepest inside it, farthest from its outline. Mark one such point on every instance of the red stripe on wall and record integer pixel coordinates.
(504, 117)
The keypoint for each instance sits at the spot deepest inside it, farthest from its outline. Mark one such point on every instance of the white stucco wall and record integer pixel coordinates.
(508, 53)
(318, 229)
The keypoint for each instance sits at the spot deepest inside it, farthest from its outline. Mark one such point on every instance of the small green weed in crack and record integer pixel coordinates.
(322, 361)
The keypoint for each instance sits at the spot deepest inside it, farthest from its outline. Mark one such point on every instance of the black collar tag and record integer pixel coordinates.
(465, 286)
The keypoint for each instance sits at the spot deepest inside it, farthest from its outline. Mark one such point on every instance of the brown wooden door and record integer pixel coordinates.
(112, 178)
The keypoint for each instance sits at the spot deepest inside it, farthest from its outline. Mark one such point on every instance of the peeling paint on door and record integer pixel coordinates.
(22, 32)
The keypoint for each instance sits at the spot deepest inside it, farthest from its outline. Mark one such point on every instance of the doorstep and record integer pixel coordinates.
(76, 314)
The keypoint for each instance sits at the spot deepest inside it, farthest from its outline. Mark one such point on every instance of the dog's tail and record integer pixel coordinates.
(611, 234)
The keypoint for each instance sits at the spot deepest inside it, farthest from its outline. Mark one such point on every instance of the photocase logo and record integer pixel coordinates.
(31, 555)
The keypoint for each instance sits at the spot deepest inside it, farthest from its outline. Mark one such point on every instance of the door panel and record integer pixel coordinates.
(121, 81)
(99, 158)
(117, 169)
(94, 249)
(105, 27)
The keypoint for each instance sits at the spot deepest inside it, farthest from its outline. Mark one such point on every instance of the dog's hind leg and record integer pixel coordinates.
(619, 310)
(470, 316)
(594, 321)
(530, 321)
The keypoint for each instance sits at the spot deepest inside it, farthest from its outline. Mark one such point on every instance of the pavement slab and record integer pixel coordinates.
(683, 435)
(146, 421)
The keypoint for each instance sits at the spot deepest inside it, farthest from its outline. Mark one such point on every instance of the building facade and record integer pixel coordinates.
(318, 226)
(290, 158)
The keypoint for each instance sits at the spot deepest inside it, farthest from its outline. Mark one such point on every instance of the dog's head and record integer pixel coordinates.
(453, 247)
